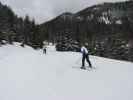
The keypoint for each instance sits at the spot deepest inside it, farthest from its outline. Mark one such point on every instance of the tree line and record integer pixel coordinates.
(18, 29)
(107, 28)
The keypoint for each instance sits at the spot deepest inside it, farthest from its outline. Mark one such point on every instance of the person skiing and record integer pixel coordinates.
(44, 50)
(85, 56)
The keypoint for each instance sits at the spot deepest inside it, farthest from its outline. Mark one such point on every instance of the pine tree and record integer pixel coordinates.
(26, 30)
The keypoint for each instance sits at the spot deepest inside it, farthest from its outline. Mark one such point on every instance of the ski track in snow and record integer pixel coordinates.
(26, 74)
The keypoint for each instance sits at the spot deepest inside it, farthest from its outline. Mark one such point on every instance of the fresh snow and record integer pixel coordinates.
(27, 74)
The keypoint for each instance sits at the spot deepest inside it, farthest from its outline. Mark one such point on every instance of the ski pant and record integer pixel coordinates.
(86, 57)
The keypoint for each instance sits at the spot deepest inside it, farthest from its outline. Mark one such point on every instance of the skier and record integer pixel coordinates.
(44, 50)
(85, 56)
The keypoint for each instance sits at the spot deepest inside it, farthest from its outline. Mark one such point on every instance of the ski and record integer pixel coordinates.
(87, 68)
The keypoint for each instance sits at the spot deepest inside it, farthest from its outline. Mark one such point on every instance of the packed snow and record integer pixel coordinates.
(28, 74)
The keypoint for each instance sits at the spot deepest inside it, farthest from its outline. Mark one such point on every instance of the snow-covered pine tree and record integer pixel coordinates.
(65, 42)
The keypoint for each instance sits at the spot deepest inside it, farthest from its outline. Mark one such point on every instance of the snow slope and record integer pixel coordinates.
(26, 74)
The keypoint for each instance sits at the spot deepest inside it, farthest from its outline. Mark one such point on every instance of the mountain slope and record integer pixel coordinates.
(26, 74)
(107, 28)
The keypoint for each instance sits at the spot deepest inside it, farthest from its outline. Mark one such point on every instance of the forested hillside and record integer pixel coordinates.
(107, 28)
(14, 28)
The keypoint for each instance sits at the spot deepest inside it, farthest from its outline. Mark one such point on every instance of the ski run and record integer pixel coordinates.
(28, 74)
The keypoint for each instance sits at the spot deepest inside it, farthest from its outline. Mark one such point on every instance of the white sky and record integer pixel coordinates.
(44, 10)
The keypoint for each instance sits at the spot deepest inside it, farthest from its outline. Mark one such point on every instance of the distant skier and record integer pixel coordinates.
(44, 50)
(85, 56)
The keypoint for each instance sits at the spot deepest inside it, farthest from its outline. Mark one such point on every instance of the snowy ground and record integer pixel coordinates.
(26, 74)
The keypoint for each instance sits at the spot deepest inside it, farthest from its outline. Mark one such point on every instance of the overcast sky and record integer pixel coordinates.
(44, 10)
